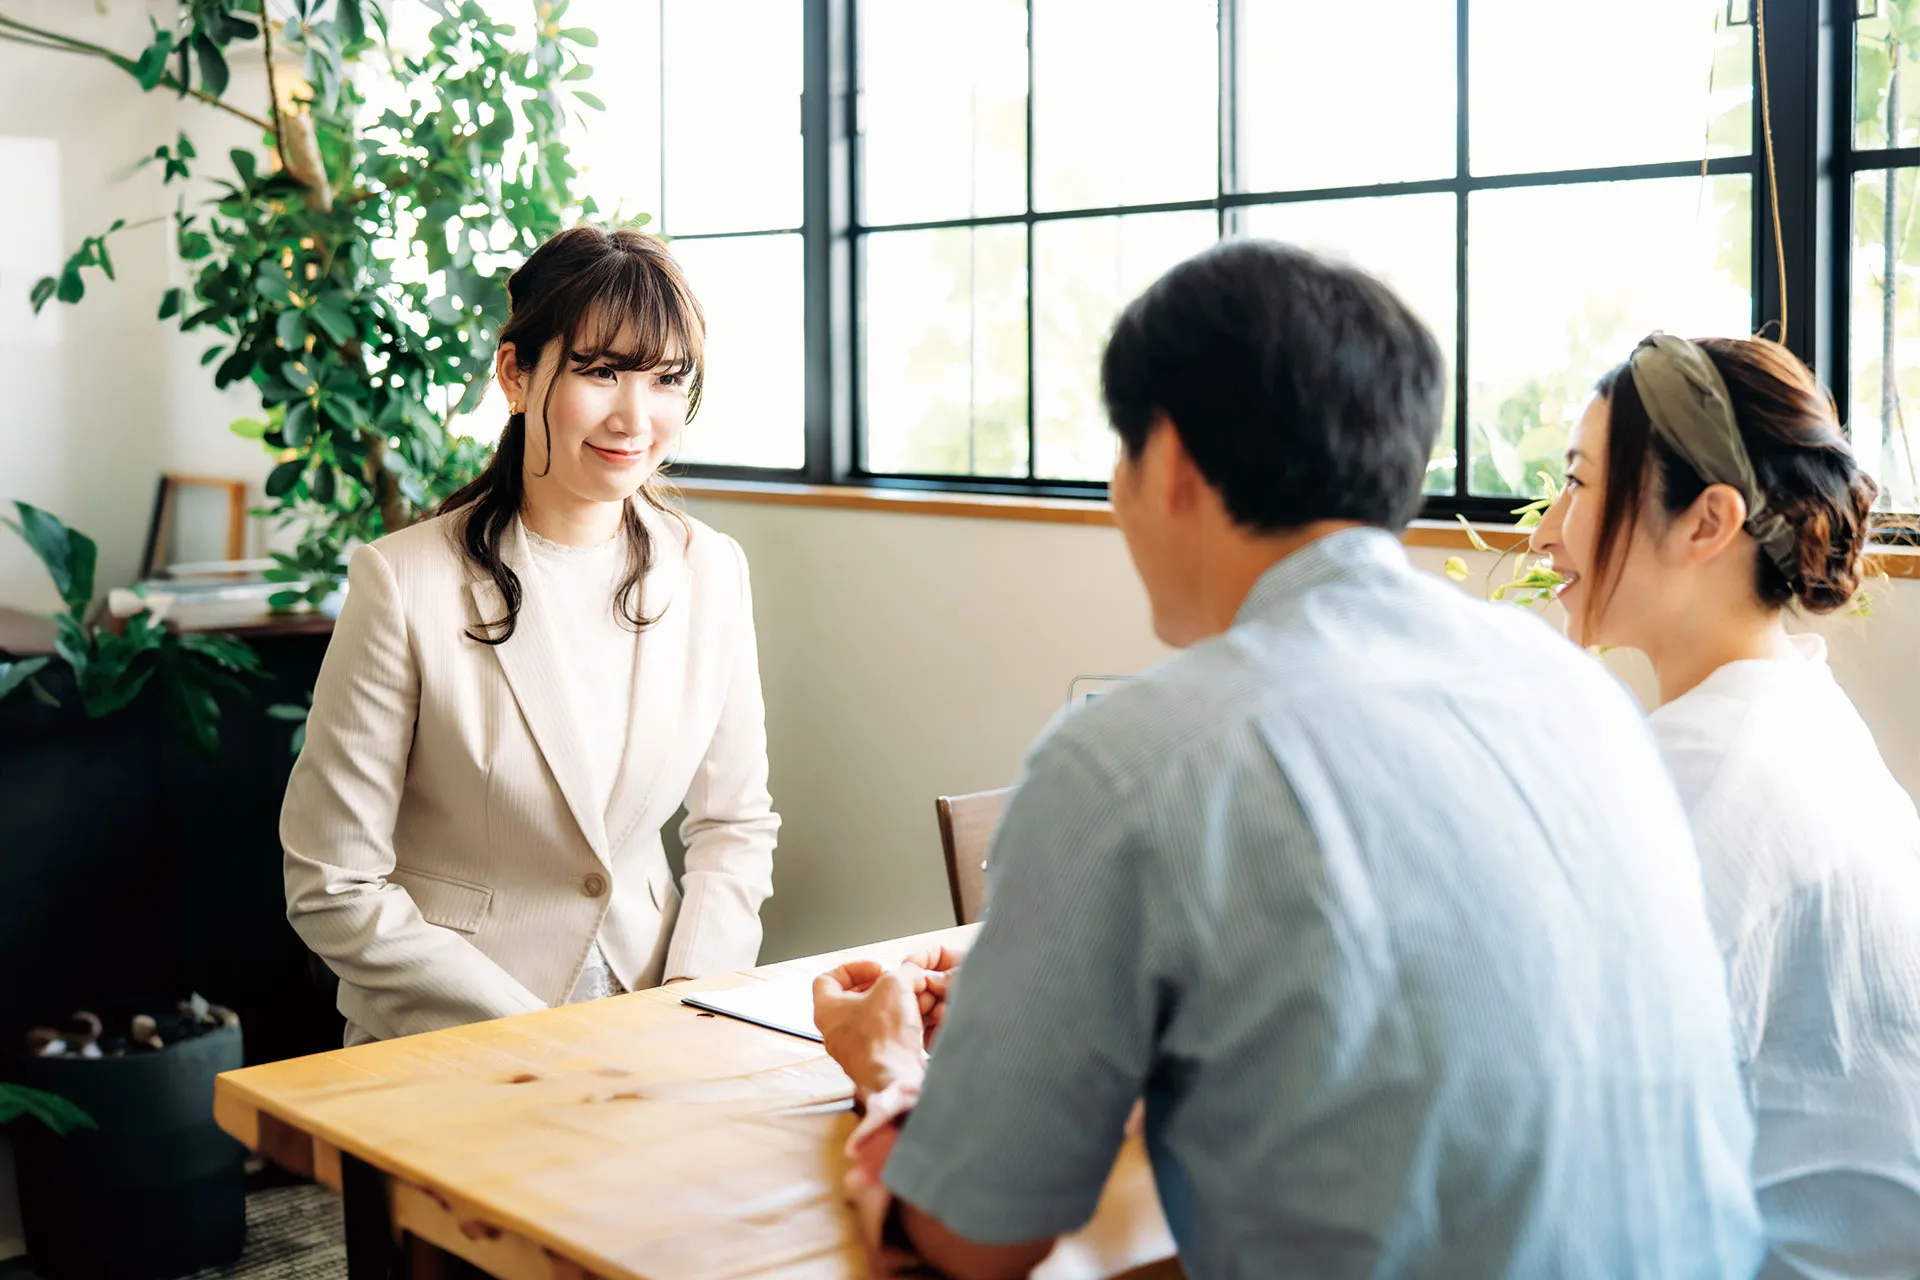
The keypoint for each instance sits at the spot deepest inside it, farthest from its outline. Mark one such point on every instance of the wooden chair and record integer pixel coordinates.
(966, 829)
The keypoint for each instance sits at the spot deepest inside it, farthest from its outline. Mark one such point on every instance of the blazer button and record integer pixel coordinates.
(594, 885)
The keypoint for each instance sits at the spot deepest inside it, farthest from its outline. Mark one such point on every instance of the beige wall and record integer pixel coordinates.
(908, 656)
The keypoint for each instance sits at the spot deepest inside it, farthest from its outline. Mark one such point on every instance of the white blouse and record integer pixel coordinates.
(598, 676)
(1810, 852)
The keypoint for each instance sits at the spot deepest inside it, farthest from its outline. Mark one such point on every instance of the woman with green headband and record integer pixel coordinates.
(1710, 488)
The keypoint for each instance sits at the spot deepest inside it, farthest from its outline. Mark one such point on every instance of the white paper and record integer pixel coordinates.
(781, 1004)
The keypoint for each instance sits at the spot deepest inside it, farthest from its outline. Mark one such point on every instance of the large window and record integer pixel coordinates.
(1884, 347)
(913, 224)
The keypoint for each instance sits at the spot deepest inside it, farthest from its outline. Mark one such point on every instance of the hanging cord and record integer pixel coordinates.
(1773, 185)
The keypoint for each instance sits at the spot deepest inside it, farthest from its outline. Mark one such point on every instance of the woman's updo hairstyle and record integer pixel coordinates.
(1801, 459)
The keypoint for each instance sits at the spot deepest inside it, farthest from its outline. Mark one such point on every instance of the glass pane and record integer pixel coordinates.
(945, 134)
(1886, 80)
(946, 351)
(1563, 84)
(618, 150)
(1125, 102)
(1563, 281)
(1335, 95)
(1408, 242)
(1885, 334)
(753, 409)
(1084, 271)
(732, 139)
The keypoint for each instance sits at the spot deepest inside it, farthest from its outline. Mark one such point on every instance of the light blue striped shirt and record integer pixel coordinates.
(1384, 903)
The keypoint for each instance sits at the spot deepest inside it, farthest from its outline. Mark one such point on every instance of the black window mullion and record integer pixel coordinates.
(1462, 458)
(1839, 169)
(818, 146)
(1227, 114)
(1033, 419)
(1792, 76)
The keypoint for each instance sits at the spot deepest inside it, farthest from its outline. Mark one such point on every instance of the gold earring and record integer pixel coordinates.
(516, 409)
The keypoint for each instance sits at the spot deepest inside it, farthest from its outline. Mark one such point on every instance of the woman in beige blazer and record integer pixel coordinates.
(522, 690)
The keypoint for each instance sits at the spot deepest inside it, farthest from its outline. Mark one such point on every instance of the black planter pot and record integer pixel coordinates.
(158, 1190)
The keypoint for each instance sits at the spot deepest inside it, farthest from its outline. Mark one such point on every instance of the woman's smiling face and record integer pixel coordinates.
(597, 427)
(1620, 610)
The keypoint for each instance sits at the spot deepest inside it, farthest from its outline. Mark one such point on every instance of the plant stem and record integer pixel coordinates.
(273, 82)
(18, 32)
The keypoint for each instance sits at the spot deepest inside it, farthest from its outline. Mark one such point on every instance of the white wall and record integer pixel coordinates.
(101, 397)
(909, 656)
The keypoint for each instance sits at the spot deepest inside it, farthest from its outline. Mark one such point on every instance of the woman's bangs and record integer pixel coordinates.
(631, 316)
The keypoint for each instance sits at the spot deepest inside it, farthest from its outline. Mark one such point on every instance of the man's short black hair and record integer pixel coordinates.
(1304, 390)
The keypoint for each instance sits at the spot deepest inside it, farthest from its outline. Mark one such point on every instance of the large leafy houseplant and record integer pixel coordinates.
(111, 667)
(355, 274)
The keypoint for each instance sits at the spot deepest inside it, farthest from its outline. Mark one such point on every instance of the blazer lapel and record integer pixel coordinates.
(532, 661)
(659, 679)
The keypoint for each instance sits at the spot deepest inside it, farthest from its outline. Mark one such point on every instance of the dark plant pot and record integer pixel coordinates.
(158, 1190)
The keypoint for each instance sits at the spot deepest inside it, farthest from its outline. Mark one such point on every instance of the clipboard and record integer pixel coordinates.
(780, 1004)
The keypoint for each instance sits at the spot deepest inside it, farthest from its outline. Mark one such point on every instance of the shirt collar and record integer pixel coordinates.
(1344, 556)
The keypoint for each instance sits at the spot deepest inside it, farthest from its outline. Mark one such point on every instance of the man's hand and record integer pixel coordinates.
(870, 1020)
(939, 964)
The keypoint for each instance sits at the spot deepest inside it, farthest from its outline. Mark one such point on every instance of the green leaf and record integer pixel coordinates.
(288, 711)
(291, 330)
(352, 21)
(248, 428)
(243, 164)
(300, 424)
(68, 554)
(323, 483)
(580, 71)
(1473, 535)
(590, 99)
(72, 287)
(195, 714)
(283, 477)
(273, 285)
(213, 64)
(344, 412)
(299, 377)
(15, 674)
(169, 304)
(152, 65)
(333, 313)
(1455, 568)
(227, 652)
(50, 1109)
(581, 36)
(43, 290)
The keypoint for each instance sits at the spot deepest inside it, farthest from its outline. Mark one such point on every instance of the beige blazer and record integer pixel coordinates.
(442, 855)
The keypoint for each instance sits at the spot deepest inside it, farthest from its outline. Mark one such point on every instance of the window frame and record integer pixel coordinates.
(1808, 76)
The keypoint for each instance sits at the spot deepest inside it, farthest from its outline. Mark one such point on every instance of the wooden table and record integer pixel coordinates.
(626, 1139)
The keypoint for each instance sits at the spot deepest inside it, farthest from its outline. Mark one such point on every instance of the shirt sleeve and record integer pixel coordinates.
(1051, 1031)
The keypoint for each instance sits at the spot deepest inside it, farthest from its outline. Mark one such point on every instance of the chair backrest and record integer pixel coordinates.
(966, 829)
